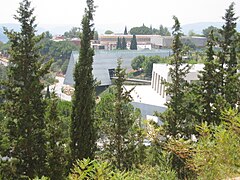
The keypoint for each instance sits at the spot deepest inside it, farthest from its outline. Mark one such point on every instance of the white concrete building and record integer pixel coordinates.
(151, 98)
(160, 73)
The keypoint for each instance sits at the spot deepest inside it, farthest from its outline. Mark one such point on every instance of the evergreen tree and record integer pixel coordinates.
(209, 83)
(24, 105)
(124, 43)
(56, 143)
(119, 43)
(125, 31)
(175, 115)
(83, 134)
(228, 58)
(120, 126)
(151, 29)
(133, 45)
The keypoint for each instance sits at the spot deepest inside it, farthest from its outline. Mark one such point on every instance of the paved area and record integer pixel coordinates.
(145, 94)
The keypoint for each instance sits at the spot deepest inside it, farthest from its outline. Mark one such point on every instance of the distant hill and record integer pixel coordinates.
(198, 27)
(60, 29)
(15, 27)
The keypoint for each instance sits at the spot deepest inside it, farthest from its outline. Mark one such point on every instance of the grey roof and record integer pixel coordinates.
(105, 60)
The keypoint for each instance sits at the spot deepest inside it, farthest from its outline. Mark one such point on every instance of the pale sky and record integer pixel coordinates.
(123, 12)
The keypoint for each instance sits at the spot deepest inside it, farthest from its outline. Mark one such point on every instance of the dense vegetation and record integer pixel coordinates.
(144, 30)
(105, 137)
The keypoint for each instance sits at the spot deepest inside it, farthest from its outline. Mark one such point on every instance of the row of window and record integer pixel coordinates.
(157, 84)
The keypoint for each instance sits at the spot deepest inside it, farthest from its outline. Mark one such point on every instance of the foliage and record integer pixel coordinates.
(124, 43)
(108, 32)
(144, 30)
(163, 31)
(145, 64)
(137, 62)
(125, 31)
(119, 126)
(206, 32)
(87, 169)
(56, 156)
(73, 33)
(228, 64)
(121, 43)
(83, 135)
(3, 73)
(209, 86)
(133, 45)
(58, 51)
(24, 105)
(148, 64)
(216, 154)
(176, 117)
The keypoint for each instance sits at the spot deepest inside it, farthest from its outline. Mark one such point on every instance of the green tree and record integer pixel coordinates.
(83, 135)
(176, 88)
(209, 85)
(163, 31)
(24, 105)
(206, 32)
(108, 32)
(48, 35)
(124, 43)
(174, 118)
(120, 126)
(125, 31)
(133, 45)
(228, 58)
(143, 30)
(56, 143)
(73, 33)
(148, 64)
(119, 43)
(137, 62)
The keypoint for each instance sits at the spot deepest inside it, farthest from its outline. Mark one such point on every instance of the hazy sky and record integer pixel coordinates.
(123, 12)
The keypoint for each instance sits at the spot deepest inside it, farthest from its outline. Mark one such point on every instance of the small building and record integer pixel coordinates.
(155, 41)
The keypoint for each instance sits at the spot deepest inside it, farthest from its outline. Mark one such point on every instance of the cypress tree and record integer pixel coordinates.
(124, 43)
(56, 143)
(133, 45)
(125, 31)
(83, 135)
(119, 43)
(209, 85)
(24, 105)
(228, 58)
(174, 117)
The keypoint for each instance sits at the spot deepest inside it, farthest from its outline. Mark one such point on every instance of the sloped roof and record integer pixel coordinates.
(105, 60)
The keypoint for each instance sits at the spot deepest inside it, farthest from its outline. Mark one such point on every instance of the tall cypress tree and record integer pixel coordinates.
(133, 45)
(56, 156)
(228, 58)
(209, 83)
(119, 43)
(124, 43)
(175, 114)
(125, 31)
(175, 117)
(83, 135)
(24, 105)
